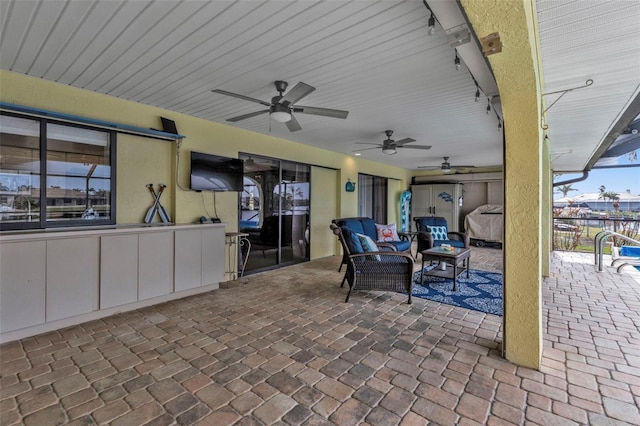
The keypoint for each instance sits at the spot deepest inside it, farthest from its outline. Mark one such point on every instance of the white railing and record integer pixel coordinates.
(598, 246)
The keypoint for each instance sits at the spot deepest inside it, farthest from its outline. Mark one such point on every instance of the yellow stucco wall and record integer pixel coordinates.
(142, 160)
(516, 71)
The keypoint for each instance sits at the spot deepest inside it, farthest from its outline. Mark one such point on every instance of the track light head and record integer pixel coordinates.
(488, 105)
(456, 61)
(477, 94)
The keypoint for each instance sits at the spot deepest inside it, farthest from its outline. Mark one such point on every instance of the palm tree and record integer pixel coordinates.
(565, 189)
(603, 193)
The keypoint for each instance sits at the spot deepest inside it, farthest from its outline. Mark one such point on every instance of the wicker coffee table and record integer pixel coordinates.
(455, 262)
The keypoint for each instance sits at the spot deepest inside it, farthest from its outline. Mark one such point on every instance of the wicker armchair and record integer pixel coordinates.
(384, 270)
(435, 232)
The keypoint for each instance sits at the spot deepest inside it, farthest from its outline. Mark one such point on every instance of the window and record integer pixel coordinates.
(74, 165)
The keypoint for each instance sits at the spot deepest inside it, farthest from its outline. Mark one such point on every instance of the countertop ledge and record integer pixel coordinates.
(79, 231)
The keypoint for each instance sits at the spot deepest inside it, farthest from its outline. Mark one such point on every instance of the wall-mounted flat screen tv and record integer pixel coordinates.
(216, 173)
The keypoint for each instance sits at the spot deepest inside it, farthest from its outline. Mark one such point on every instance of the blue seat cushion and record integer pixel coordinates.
(401, 245)
(453, 243)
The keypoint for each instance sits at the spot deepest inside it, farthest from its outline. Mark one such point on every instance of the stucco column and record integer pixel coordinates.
(516, 69)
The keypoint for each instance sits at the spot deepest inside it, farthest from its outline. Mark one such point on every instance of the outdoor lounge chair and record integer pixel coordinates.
(367, 226)
(384, 270)
(434, 231)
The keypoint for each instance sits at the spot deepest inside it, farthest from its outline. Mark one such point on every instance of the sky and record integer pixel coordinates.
(618, 180)
(614, 179)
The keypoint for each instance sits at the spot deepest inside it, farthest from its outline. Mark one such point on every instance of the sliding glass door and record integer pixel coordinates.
(274, 211)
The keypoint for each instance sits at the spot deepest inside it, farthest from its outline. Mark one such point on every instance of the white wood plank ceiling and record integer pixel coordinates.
(372, 58)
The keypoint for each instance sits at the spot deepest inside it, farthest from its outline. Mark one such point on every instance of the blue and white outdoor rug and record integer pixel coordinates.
(482, 291)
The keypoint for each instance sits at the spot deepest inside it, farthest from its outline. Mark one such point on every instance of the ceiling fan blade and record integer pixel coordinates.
(415, 146)
(246, 98)
(429, 167)
(325, 112)
(403, 141)
(298, 92)
(369, 143)
(462, 167)
(245, 116)
(366, 149)
(293, 124)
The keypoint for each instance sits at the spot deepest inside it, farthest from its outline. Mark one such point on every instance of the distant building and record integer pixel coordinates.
(627, 202)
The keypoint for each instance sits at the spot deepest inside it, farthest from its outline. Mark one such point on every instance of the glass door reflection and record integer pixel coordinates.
(274, 211)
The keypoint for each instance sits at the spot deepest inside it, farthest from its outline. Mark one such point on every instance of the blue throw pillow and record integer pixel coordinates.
(438, 232)
(368, 245)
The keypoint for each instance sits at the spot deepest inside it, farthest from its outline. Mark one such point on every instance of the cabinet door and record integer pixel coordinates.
(421, 201)
(213, 256)
(22, 288)
(445, 202)
(155, 271)
(118, 270)
(188, 266)
(72, 277)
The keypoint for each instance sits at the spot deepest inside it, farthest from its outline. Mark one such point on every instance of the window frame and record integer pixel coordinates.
(43, 223)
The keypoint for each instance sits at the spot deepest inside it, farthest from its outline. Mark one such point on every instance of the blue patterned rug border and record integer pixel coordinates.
(482, 291)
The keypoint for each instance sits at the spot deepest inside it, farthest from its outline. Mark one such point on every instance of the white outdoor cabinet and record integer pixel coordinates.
(51, 280)
(73, 266)
(440, 199)
(118, 270)
(155, 264)
(22, 284)
(199, 258)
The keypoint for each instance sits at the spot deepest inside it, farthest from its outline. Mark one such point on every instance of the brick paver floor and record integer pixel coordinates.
(283, 348)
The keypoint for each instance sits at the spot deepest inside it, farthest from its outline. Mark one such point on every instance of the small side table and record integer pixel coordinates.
(410, 235)
(237, 241)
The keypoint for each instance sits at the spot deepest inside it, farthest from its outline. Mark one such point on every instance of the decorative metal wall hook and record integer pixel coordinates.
(587, 83)
(545, 126)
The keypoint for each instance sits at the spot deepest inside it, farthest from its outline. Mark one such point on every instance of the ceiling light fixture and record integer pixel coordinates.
(477, 88)
(432, 19)
(488, 105)
(456, 61)
(280, 113)
(358, 154)
(389, 150)
(432, 25)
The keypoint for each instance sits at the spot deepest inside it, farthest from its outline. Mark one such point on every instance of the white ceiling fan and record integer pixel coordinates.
(390, 146)
(445, 166)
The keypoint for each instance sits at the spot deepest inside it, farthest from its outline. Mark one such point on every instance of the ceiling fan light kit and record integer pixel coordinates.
(389, 150)
(280, 113)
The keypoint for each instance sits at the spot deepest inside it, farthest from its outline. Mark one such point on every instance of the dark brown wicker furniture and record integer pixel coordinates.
(383, 270)
(427, 240)
(451, 259)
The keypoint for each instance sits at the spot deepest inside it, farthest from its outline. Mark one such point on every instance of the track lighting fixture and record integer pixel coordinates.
(488, 105)
(456, 61)
(499, 124)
